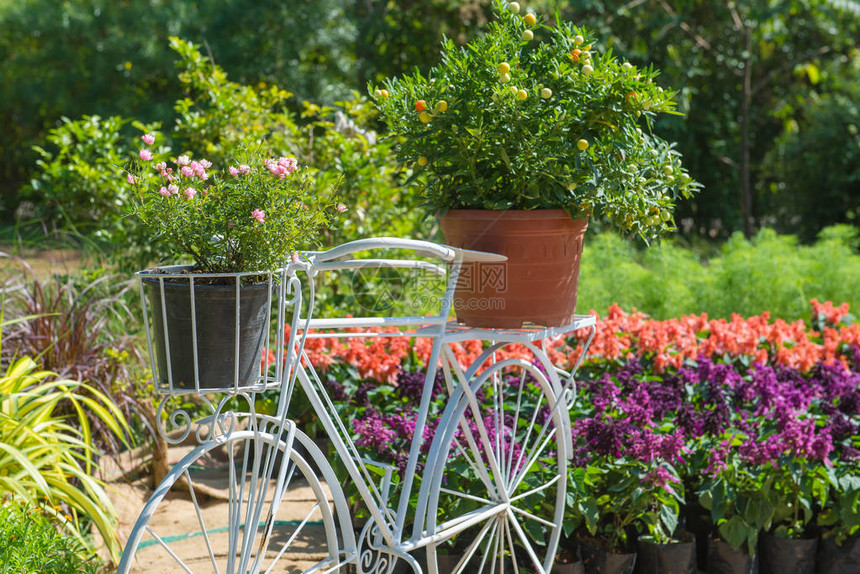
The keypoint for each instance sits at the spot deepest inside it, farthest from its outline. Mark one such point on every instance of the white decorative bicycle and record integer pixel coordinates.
(493, 475)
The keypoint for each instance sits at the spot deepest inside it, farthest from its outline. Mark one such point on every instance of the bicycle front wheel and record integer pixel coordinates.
(244, 503)
(499, 494)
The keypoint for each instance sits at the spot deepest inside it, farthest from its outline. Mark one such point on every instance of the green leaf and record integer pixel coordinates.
(734, 531)
(669, 517)
(591, 514)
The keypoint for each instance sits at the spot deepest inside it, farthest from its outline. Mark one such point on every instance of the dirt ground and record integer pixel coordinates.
(42, 262)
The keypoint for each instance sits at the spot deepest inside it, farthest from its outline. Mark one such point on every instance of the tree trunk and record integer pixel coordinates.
(160, 466)
(746, 186)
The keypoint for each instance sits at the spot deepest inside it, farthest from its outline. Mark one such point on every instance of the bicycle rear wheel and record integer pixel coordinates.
(500, 493)
(253, 505)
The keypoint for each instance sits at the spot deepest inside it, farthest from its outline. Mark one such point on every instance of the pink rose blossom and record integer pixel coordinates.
(145, 155)
(244, 169)
(130, 178)
(183, 160)
(340, 208)
(276, 169)
(233, 171)
(190, 192)
(148, 139)
(161, 166)
(173, 189)
(164, 192)
(205, 163)
(259, 215)
(295, 258)
(289, 164)
(186, 171)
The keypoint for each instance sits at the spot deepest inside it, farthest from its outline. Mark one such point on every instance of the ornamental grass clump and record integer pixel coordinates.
(250, 216)
(531, 116)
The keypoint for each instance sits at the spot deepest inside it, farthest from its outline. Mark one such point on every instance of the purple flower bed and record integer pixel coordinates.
(763, 448)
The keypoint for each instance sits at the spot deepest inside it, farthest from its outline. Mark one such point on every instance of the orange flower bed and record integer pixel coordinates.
(620, 336)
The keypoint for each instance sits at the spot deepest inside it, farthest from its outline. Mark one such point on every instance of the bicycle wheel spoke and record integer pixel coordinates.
(493, 540)
(289, 542)
(522, 495)
(200, 521)
(524, 540)
(532, 517)
(485, 442)
(498, 415)
(470, 550)
(511, 546)
(510, 458)
(282, 485)
(479, 469)
(532, 459)
(465, 496)
(525, 442)
(169, 550)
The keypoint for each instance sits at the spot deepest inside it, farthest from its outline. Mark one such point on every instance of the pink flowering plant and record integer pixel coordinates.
(250, 215)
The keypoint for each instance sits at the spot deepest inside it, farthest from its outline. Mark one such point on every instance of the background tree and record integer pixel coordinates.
(737, 64)
(105, 58)
(758, 79)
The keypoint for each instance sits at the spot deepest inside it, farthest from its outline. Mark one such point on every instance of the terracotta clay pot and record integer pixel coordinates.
(537, 284)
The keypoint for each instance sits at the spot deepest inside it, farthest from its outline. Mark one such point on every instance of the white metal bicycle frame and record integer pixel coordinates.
(391, 525)
(390, 537)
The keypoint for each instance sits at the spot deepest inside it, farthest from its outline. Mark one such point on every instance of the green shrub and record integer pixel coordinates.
(78, 186)
(770, 273)
(216, 120)
(31, 540)
(219, 117)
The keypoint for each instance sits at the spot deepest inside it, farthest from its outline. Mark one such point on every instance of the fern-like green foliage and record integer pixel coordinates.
(770, 273)
(31, 540)
(44, 457)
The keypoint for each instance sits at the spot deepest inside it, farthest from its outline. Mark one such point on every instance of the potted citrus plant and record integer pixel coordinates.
(528, 131)
(210, 319)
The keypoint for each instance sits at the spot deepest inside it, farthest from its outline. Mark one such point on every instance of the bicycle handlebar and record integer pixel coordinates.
(444, 252)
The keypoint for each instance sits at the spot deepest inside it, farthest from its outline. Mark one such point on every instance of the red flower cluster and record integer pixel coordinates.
(619, 336)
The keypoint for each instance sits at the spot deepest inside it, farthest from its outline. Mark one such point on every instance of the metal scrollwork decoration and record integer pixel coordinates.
(376, 558)
(176, 426)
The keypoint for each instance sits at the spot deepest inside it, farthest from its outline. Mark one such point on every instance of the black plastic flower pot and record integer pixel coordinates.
(697, 521)
(723, 559)
(566, 563)
(670, 558)
(787, 555)
(833, 559)
(599, 561)
(446, 562)
(215, 316)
